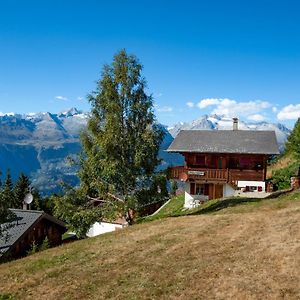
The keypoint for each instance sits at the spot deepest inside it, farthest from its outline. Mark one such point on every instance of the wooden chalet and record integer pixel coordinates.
(30, 226)
(219, 162)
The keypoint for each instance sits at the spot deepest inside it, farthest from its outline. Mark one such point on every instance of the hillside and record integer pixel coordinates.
(248, 251)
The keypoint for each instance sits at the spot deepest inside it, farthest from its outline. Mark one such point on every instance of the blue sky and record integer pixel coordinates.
(232, 57)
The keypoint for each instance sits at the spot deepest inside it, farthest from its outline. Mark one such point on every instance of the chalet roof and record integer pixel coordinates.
(25, 219)
(225, 141)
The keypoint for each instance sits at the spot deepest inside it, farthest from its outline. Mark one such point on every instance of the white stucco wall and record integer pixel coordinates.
(252, 183)
(102, 227)
(228, 190)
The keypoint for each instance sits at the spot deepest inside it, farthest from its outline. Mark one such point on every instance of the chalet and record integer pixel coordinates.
(220, 162)
(30, 226)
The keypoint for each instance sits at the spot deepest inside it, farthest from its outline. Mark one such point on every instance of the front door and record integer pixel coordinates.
(218, 191)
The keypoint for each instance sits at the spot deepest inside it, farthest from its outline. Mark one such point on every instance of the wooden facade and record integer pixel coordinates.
(37, 234)
(28, 228)
(214, 170)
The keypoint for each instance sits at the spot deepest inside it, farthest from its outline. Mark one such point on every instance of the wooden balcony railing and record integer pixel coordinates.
(218, 175)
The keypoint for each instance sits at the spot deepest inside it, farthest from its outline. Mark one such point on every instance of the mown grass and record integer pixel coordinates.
(243, 250)
(174, 208)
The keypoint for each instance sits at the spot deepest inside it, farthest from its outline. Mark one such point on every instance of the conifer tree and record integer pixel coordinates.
(6, 216)
(21, 188)
(7, 191)
(38, 202)
(293, 142)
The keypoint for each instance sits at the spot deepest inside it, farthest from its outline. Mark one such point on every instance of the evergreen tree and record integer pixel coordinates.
(6, 216)
(22, 187)
(7, 191)
(293, 142)
(38, 203)
(122, 141)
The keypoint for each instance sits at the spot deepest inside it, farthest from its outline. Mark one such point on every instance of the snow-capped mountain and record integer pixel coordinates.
(216, 122)
(39, 143)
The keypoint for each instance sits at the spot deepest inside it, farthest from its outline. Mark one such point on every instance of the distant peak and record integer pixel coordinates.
(217, 117)
(70, 112)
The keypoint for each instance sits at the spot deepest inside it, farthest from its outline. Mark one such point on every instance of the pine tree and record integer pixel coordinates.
(22, 187)
(38, 203)
(6, 216)
(7, 191)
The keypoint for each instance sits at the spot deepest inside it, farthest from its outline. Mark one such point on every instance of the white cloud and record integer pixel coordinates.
(80, 98)
(256, 118)
(165, 109)
(232, 108)
(61, 98)
(289, 112)
(209, 101)
(274, 109)
(190, 104)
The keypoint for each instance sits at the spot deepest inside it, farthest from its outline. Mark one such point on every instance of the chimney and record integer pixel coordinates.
(235, 123)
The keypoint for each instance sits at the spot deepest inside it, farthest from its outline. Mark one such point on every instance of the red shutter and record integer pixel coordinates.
(206, 189)
(192, 188)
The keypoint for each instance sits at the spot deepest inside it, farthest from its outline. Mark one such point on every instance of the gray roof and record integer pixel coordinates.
(225, 141)
(24, 220)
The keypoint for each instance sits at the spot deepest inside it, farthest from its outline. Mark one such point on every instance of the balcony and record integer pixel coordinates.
(230, 176)
(184, 173)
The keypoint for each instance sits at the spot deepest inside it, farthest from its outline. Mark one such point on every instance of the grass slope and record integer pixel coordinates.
(245, 251)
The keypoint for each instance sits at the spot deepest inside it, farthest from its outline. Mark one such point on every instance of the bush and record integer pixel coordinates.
(45, 245)
(282, 178)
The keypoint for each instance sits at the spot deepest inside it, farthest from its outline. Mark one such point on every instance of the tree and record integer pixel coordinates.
(38, 202)
(6, 216)
(293, 142)
(22, 187)
(76, 211)
(7, 191)
(174, 187)
(120, 144)
(122, 140)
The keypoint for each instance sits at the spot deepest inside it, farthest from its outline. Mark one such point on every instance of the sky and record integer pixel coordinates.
(236, 58)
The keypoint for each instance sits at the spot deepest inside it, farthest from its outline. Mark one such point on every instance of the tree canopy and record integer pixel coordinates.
(121, 142)
(293, 142)
(6, 198)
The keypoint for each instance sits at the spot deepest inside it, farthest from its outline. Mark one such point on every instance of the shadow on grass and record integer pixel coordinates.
(218, 205)
(222, 204)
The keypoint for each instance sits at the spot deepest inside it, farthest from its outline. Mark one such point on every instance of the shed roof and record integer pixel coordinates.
(25, 219)
(225, 141)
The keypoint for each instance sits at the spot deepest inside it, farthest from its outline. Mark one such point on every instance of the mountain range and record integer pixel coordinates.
(38, 144)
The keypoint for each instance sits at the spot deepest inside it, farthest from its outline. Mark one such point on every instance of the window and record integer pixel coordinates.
(199, 189)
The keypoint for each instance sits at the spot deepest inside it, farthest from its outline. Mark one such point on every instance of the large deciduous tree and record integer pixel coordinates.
(120, 145)
(122, 140)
